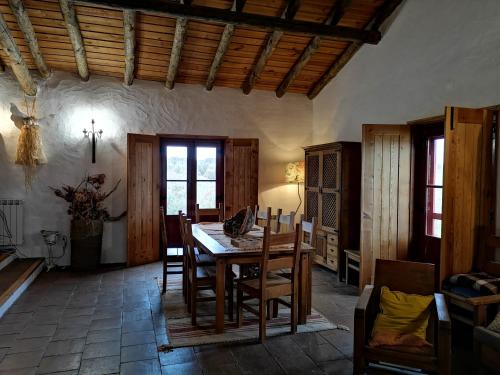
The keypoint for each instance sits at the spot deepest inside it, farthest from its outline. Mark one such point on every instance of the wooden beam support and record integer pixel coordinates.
(69, 14)
(129, 17)
(175, 54)
(385, 11)
(224, 43)
(26, 27)
(209, 14)
(335, 16)
(17, 63)
(267, 51)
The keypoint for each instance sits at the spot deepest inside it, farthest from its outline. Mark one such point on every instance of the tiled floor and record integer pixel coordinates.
(112, 322)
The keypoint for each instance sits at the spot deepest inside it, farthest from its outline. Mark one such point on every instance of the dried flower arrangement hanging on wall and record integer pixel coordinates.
(29, 145)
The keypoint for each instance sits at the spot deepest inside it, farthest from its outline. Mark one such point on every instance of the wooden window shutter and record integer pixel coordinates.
(385, 196)
(468, 187)
(241, 166)
(143, 199)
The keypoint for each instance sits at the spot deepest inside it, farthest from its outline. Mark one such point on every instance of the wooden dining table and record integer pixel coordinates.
(210, 238)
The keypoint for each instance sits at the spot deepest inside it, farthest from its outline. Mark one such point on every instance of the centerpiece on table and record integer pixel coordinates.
(240, 223)
(88, 215)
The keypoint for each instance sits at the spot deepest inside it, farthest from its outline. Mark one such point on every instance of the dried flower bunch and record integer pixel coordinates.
(86, 199)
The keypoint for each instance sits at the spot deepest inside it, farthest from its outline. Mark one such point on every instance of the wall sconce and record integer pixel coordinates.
(95, 134)
(294, 173)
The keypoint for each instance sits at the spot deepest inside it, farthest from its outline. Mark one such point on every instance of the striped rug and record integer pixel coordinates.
(181, 333)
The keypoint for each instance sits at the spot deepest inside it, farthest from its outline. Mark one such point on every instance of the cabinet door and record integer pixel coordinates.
(330, 208)
(312, 184)
(331, 170)
(385, 196)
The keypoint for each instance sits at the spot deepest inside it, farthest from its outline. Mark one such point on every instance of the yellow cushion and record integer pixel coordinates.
(403, 313)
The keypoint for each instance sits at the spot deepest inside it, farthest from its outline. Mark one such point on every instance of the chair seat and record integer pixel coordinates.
(401, 357)
(205, 260)
(487, 337)
(276, 286)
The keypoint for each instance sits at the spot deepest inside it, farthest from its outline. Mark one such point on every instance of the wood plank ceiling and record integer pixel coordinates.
(206, 53)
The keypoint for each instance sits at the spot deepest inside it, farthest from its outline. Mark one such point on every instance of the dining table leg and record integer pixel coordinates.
(220, 293)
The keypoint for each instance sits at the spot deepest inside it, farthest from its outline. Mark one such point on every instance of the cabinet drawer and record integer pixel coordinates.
(332, 239)
(332, 251)
(332, 263)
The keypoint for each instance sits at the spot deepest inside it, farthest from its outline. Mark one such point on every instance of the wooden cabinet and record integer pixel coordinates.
(332, 195)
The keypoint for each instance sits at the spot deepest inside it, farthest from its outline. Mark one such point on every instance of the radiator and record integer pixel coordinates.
(13, 211)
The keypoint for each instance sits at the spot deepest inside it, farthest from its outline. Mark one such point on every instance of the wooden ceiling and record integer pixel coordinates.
(248, 57)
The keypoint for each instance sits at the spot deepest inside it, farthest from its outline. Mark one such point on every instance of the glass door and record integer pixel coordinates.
(192, 173)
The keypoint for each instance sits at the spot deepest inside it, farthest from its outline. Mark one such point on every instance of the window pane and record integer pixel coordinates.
(176, 163)
(205, 194)
(434, 209)
(435, 161)
(176, 197)
(205, 163)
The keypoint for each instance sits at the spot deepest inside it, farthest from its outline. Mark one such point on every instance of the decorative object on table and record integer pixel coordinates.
(29, 151)
(294, 173)
(240, 223)
(51, 239)
(88, 215)
(247, 243)
(93, 135)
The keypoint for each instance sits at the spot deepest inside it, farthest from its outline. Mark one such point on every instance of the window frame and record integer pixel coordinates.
(430, 188)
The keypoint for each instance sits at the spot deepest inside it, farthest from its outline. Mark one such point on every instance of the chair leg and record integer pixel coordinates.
(276, 308)
(269, 311)
(239, 308)
(194, 292)
(262, 320)
(230, 295)
(294, 309)
(188, 296)
(164, 287)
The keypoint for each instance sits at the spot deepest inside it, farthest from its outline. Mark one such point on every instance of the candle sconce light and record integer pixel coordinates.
(93, 135)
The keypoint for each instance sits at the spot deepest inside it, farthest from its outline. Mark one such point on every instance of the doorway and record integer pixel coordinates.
(192, 172)
(428, 148)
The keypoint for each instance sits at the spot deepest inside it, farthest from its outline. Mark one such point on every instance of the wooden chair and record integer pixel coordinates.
(200, 213)
(288, 220)
(202, 277)
(487, 347)
(263, 217)
(270, 286)
(172, 257)
(408, 277)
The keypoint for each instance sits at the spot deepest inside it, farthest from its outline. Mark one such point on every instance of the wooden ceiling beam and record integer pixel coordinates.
(129, 19)
(17, 63)
(75, 35)
(175, 54)
(224, 43)
(384, 12)
(26, 27)
(209, 14)
(267, 51)
(335, 16)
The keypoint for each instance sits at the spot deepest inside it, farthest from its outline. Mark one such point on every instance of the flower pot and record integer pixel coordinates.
(86, 244)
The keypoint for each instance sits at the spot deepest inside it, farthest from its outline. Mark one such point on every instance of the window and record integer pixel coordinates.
(192, 171)
(434, 186)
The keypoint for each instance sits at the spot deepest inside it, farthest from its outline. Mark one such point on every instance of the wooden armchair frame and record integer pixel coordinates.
(209, 212)
(408, 277)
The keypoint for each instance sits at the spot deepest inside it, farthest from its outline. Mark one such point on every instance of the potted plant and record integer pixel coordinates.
(88, 214)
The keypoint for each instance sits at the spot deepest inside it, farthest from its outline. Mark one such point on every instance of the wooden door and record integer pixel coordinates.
(385, 196)
(241, 170)
(467, 185)
(143, 199)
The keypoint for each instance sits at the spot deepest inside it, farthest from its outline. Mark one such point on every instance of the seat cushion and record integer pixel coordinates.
(487, 337)
(495, 324)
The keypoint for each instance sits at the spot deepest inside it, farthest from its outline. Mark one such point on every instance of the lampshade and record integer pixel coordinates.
(294, 172)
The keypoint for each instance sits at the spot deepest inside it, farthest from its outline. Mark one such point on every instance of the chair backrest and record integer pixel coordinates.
(200, 213)
(163, 229)
(288, 220)
(188, 235)
(284, 261)
(404, 276)
(265, 216)
(310, 229)
(182, 229)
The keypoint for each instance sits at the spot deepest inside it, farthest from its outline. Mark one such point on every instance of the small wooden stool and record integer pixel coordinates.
(354, 256)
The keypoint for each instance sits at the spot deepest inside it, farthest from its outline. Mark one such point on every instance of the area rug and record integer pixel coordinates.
(181, 333)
